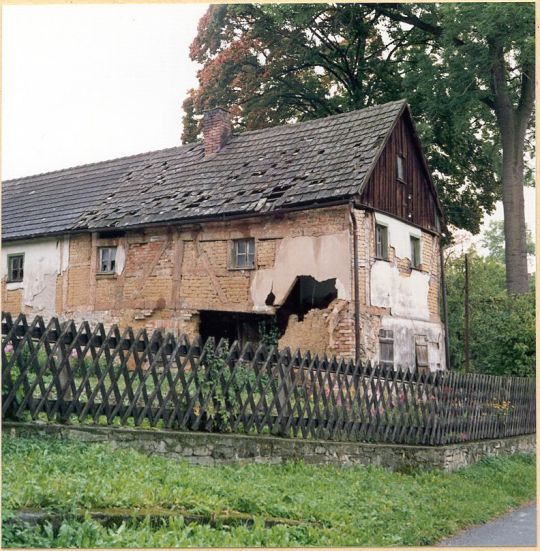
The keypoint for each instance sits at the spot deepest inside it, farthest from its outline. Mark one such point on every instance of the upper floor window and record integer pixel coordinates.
(400, 167)
(107, 260)
(381, 241)
(243, 253)
(15, 267)
(416, 258)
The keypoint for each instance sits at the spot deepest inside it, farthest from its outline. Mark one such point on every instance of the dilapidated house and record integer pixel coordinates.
(325, 234)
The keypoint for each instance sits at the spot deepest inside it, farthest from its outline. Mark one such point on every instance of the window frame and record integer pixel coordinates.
(400, 178)
(416, 251)
(384, 242)
(10, 258)
(386, 337)
(235, 254)
(112, 262)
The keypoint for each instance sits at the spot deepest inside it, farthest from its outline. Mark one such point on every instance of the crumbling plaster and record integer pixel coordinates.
(407, 332)
(405, 296)
(44, 259)
(324, 257)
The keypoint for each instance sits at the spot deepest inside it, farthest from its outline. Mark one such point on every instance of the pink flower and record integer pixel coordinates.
(74, 354)
(8, 348)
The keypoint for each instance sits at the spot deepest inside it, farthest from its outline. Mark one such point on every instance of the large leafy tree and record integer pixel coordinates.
(466, 69)
(479, 63)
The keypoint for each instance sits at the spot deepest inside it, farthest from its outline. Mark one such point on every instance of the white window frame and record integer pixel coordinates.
(243, 254)
(107, 265)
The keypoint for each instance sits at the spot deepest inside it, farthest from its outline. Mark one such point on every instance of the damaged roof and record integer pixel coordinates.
(307, 163)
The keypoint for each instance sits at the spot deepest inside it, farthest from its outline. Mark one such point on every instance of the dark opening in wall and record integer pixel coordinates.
(306, 294)
(232, 326)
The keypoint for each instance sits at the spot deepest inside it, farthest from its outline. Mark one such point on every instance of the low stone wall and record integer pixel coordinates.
(211, 449)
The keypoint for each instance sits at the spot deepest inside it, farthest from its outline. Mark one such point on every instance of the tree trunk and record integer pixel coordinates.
(517, 279)
(513, 127)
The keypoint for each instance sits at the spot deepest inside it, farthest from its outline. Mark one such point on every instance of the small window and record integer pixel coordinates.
(422, 361)
(416, 259)
(400, 167)
(386, 348)
(243, 253)
(15, 267)
(381, 241)
(107, 260)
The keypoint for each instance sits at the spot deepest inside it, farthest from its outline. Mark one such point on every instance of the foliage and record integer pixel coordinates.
(502, 327)
(269, 333)
(275, 63)
(493, 240)
(359, 506)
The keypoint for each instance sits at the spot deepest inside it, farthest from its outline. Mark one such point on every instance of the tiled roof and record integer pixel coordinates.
(264, 170)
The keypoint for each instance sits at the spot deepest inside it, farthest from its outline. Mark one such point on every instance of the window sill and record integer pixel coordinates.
(232, 268)
(106, 275)
(381, 258)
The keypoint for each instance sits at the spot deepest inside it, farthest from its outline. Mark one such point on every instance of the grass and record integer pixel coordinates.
(361, 506)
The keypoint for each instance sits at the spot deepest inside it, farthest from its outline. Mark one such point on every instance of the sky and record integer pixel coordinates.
(86, 83)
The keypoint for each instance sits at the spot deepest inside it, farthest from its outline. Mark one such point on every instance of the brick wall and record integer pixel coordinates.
(170, 274)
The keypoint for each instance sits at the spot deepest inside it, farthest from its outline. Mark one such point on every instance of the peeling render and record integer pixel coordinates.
(324, 257)
(44, 259)
(399, 234)
(407, 332)
(405, 296)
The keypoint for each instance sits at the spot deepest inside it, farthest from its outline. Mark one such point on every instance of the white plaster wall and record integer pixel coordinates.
(44, 259)
(399, 234)
(405, 296)
(324, 257)
(406, 332)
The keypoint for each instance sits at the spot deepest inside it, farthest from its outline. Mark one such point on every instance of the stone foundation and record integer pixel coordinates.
(211, 449)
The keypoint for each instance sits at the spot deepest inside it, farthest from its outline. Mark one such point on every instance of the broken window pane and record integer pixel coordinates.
(107, 260)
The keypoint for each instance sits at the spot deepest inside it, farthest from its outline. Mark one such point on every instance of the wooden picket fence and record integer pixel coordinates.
(78, 373)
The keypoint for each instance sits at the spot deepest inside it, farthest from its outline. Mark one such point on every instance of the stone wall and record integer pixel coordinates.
(210, 449)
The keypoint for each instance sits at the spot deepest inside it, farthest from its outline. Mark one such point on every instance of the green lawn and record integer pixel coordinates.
(307, 505)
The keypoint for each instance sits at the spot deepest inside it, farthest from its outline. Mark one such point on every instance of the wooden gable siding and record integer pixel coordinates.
(385, 193)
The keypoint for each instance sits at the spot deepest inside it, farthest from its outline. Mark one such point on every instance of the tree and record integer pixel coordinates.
(502, 339)
(485, 56)
(466, 69)
(493, 240)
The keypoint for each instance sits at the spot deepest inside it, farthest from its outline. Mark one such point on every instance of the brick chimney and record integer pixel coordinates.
(217, 130)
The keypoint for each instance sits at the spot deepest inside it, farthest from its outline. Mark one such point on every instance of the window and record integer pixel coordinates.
(422, 361)
(400, 168)
(386, 348)
(243, 253)
(416, 258)
(107, 260)
(15, 267)
(381, 241)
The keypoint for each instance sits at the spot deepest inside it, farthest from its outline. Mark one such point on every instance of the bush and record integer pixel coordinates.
(502, 327)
